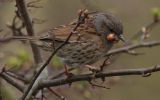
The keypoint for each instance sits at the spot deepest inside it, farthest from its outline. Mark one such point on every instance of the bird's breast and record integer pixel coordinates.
(81, 53)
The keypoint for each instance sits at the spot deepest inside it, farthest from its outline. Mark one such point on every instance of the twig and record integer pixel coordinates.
(88, 77)
(96, 85)
(134, 46)
(150, 26)
(11, 81)
(18, 77)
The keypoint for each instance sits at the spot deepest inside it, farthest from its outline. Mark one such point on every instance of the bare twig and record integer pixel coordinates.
(88, 77)
(148, 27)
(16, 30)
(18, 77)
(96, 85)
(34, 4)
(134, 46)
(11, 81)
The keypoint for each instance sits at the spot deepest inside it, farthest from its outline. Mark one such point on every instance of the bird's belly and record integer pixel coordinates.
(80, 54)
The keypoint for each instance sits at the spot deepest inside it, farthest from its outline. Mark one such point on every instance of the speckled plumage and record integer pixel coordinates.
(78, 54)
(87, 49)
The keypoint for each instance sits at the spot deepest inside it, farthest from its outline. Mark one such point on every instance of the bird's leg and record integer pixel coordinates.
(93, 69)
(105, 63)
(67, 73)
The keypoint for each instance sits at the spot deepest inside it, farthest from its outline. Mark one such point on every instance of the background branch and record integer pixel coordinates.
(22, 8)
(12, 81)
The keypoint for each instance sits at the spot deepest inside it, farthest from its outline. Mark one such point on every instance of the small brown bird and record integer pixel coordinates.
(87, 49)
(89, 43)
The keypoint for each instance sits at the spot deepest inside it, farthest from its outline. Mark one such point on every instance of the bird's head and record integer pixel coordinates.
(109, 27)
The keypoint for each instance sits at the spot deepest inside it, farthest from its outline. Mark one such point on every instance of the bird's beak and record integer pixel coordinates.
(121, 37)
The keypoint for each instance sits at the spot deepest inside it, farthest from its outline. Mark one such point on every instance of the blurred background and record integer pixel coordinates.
(134, 14)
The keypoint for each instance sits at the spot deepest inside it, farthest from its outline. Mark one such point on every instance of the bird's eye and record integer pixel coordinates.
(111, 37)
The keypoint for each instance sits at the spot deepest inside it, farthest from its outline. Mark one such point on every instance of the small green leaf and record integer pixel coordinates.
(56, 62)
(156, 11)
(23, 55)
(13, 62)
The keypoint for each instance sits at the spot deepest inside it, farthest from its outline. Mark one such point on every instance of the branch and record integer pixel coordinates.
(18, 77)
(22, 8)
(88, 77)
(11, 81)
(149, 27)
(134, 46)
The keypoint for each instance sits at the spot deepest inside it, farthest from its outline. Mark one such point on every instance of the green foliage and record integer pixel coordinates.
(156, 11)
(5, 93)
(56, 62)
(23, 55)
(16, 61)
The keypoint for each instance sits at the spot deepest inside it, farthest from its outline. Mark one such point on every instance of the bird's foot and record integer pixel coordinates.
(92, 68)
(67, 73)
(94, 71)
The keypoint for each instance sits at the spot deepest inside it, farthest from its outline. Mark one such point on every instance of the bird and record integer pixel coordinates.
(92, 39)
(86, 51)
